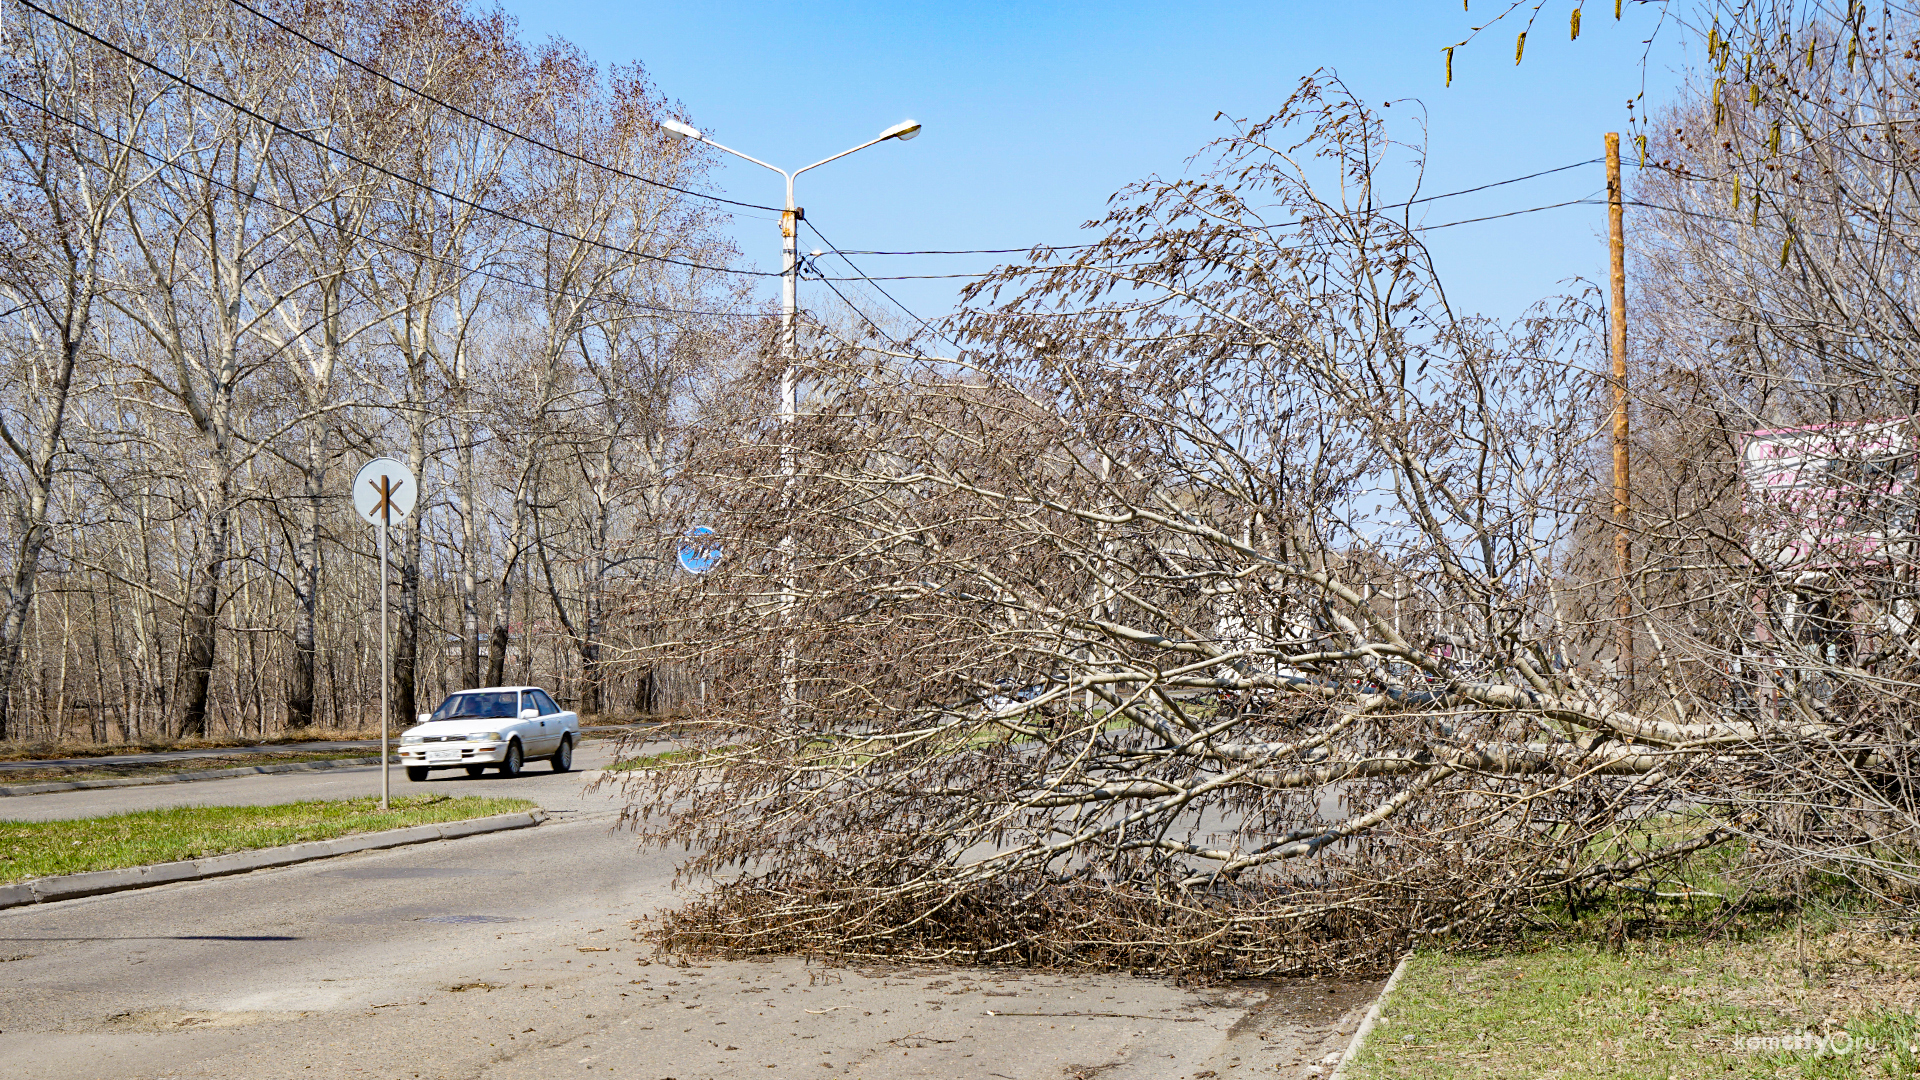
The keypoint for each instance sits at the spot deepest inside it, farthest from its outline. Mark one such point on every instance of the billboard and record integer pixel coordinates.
(1831, 495)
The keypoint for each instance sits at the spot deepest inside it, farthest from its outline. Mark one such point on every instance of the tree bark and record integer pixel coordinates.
(202, 627)
(406, 650)
(306, 591)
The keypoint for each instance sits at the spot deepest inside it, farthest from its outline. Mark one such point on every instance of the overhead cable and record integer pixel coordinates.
(502, 129)
(1387, 206)
(334, 226)
(1263, 228)
(896, 303)
(413, 181)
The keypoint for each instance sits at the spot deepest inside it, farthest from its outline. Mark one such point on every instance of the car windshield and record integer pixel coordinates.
(493, 704)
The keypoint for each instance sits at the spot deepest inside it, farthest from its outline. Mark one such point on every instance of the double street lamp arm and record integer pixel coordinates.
(789, 238)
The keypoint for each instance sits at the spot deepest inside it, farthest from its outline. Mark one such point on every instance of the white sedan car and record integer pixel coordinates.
(493, 727)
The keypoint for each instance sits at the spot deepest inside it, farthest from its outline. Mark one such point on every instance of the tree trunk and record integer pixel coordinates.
(469, 565)
(497, 640)
(306, 592)
(202, 629)
(406, 652)
(502, 614)
(13, 629)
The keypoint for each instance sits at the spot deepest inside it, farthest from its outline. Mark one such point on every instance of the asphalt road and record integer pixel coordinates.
(514, 955)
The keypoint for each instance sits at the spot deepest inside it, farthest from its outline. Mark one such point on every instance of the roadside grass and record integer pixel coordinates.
(1660, 1008)
(1672, 979)
(665, 758)
(114, 772)
(34, 849)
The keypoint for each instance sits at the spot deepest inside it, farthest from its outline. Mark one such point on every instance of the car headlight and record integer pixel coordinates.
(484, 736)
(409, 739)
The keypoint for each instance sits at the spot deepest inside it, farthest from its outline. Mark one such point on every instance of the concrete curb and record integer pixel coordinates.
(72, 886)
(183, 777)
(1372, 1018)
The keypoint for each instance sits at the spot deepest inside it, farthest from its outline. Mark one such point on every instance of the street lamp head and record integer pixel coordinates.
(904, 130)
(681, 131)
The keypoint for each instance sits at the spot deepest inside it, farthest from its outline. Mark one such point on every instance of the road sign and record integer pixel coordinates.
(698, 553)
(384, 491)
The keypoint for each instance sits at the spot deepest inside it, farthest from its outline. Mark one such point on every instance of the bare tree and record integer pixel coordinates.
(66, 179)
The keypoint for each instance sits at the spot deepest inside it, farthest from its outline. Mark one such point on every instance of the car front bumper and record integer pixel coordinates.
(435, 757)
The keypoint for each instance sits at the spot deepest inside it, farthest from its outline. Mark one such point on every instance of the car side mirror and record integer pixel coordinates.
(424, 717)
(529, 714)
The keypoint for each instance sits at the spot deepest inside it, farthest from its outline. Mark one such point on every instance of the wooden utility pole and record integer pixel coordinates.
(1622, 468)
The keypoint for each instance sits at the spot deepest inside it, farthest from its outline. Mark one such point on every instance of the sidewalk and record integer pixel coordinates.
(161, 757)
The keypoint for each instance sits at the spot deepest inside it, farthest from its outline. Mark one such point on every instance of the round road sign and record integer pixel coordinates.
(384, 491)
(698, 552)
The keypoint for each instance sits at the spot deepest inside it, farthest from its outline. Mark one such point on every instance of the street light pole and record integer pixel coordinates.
(790, 219)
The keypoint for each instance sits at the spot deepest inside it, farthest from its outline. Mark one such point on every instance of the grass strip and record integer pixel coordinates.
(34, 849)
(1785, 1004)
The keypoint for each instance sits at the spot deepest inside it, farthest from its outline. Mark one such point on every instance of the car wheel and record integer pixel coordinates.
(416, 773)
(563, 758)
(515, 758)
(476, 770)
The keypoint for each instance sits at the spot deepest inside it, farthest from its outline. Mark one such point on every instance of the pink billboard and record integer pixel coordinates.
(1830, 495)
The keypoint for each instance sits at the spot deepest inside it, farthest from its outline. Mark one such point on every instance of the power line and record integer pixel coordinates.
(855, 308)
(1263, 228)
(415, 182)
(896, 303)
(1388, 206)
(511, 133)
(302, 215)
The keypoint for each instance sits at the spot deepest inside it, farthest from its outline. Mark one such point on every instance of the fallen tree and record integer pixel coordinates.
(1230, 605)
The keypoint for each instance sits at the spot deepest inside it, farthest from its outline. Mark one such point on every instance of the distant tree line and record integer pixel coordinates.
(243, 250)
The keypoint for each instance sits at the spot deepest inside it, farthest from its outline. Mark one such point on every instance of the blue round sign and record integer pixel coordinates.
(698, 553)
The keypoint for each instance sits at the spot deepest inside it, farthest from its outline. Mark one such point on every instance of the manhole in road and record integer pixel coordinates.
(466, 918)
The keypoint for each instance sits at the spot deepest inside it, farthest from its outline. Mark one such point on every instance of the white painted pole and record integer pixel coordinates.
(386, 517)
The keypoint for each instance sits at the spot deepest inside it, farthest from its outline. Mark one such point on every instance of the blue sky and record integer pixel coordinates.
(1034, 113)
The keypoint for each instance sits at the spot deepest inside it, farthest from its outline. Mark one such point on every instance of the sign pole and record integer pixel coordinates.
(386, 710)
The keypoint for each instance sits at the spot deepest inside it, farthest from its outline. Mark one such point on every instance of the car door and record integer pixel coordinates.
(551, 726)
